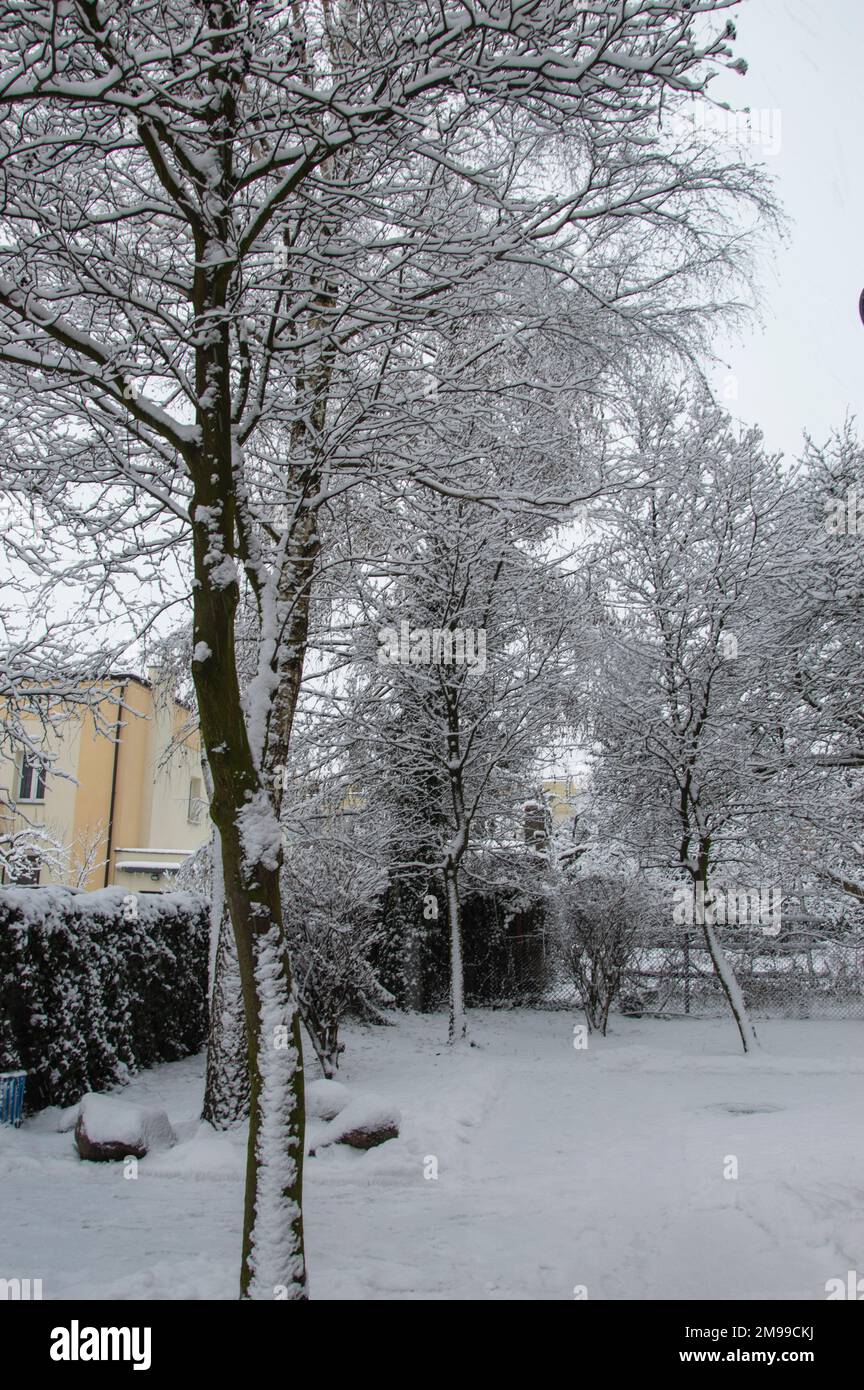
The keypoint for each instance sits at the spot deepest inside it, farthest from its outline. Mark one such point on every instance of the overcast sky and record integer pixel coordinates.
(805, 368)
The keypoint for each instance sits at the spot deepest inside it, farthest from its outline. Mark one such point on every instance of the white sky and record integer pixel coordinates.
(805, 368)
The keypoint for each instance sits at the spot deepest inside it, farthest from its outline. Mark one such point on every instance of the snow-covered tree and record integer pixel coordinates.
(817, 632)
(464, 681)
(214, 216)
(682, 569)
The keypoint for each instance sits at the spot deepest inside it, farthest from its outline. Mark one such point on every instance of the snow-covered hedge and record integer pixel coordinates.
(94, 986)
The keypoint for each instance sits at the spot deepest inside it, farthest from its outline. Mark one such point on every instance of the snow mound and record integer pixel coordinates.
(364, 1123)
(67, 1118)
(326, 1099)
(206, 1155)
(108, 1129)
(55, 1119)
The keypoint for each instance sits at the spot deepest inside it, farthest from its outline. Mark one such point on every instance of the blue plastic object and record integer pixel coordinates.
(12, 1097)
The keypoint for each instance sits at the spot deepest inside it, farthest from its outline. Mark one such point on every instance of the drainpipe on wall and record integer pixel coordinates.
(110, 845)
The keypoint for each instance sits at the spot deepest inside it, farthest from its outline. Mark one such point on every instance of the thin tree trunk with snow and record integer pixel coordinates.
(273, 1262)
(324, 1037)
(459, 844)
(731, 988)
(458, 1028)
(727, 977)
(226, 1088)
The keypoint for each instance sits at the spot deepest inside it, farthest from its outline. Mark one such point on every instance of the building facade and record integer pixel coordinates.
(109, 793)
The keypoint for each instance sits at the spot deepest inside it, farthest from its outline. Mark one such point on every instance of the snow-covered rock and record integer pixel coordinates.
(364, 1123)
(108, 1129)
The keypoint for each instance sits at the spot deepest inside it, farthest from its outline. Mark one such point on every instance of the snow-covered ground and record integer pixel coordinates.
(556, 1168)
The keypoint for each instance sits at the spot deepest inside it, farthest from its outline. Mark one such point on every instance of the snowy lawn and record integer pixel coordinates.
(556, 1168)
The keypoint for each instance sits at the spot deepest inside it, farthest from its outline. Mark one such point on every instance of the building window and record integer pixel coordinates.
(31, 779)
(196, 805)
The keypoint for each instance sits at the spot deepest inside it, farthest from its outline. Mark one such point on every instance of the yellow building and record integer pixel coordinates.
(564, 796)
(114, 795)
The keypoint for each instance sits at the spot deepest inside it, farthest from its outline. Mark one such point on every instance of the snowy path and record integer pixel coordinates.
(556, 1168)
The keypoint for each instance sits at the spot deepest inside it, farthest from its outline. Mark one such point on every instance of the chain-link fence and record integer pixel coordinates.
(807, 972)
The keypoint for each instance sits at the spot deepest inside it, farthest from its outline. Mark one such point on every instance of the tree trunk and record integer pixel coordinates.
(273, 1263)
(227, 1088)
(458, 1022)
(727, 977)
(324, 1037)
(731, 988)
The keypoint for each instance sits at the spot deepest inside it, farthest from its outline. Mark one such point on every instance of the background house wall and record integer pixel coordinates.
(127, 825)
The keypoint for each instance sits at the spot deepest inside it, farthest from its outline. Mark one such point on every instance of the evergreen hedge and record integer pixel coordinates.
(95, 986)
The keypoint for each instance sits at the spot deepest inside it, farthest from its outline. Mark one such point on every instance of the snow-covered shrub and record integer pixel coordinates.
(599, 925)
(330, 894)
(94, 986)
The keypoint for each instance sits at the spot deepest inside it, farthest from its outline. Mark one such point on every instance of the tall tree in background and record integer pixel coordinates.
(462, 690)
(682, 568)
(816, 630)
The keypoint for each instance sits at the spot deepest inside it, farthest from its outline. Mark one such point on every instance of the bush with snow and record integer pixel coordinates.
(600, 919)
(94, 986)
